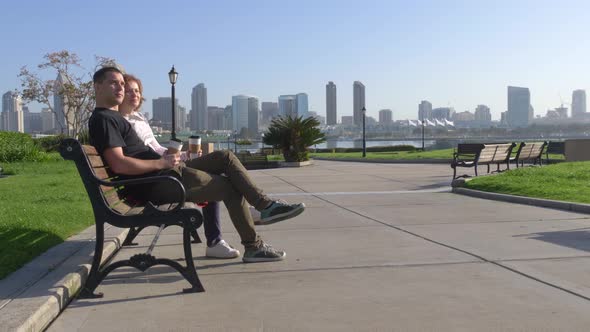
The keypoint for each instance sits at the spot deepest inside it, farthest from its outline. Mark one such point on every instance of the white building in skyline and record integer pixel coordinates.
(578, 104)
(12, 118)
(424, 110)
(242, 107)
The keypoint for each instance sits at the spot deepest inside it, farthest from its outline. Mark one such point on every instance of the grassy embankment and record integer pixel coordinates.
(41, 205)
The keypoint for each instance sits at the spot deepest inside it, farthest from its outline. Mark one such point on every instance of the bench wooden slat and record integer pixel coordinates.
(102, 173)
(90, 150)
(96, 161)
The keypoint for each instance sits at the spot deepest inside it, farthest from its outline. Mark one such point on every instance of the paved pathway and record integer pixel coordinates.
(380, 247)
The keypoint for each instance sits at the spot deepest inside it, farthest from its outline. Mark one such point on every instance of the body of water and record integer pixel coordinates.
(256, 146)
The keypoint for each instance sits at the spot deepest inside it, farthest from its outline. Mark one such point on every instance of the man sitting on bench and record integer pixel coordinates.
(128, 157)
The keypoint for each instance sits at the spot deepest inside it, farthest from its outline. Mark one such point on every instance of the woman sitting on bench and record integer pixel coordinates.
(216, 246)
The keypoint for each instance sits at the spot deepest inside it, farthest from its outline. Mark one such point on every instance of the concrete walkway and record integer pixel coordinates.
(380, 247)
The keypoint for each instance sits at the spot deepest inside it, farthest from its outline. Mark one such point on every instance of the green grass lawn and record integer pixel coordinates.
(40, 206)
(563, 182)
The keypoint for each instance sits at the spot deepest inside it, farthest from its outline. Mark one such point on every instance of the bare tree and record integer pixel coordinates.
(72, 88)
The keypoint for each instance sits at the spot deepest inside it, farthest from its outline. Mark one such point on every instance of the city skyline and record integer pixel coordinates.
(457, 54)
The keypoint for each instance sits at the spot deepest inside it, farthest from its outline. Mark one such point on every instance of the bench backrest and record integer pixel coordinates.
(530, 150)
(495, 153)
(469, 148)
(556, 147)
(92, 168)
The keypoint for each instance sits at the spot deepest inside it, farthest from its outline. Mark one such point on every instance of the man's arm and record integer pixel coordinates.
(124, 165)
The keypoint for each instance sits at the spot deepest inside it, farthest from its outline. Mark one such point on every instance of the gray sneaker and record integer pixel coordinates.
(280, 210)
(265, 253)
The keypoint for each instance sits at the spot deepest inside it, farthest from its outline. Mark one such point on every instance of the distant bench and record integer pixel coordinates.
(253, 160)
(111, 205)
(530, 152)
(554, 148)
(476, 154)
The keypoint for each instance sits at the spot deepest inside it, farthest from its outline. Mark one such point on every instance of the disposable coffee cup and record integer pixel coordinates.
(194, 144)
(174, 146)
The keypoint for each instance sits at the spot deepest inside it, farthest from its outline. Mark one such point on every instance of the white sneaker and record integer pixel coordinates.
(222, 250)
(255, 216)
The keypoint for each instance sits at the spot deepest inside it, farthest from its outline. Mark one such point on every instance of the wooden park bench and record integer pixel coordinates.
(253, 160)
(531, 152)
(475, 154)
(111, 206)
(554, 148)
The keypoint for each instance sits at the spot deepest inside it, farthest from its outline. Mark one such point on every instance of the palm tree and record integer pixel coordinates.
(294, 135)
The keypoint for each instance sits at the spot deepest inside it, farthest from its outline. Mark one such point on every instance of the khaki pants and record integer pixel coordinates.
(203, 181)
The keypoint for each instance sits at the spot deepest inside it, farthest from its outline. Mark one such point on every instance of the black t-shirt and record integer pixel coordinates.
(109, 129)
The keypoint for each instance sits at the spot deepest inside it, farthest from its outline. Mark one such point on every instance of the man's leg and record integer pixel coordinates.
(202, 186)
(225, 162)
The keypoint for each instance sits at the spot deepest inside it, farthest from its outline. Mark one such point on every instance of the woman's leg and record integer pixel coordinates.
(212, 223)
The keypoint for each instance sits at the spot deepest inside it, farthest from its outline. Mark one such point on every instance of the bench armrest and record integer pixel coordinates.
(150, 179)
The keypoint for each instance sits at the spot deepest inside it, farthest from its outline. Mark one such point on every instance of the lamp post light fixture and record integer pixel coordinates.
(228, 139)
(173, 76)
(364, 138)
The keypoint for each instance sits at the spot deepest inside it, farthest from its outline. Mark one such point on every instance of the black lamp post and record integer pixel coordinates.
(173, 76)
(422, 132)
(235, 141)
(228, 137)
(364, 139)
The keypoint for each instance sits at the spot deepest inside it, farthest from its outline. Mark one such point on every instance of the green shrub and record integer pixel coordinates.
(20, 147)
(49, 143)
(370, 149)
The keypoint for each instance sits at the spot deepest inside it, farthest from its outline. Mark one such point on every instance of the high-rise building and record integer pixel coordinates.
(347, 120)
(302, 105)
(47, 120)
(162, 115)
(242, 108)
(269, 111)
(385, 116)
(520, 111)
(12, 113)
(253, 112)
(215, 118)
(578, 104)
(294, 105)
(443, 113)
(482, 113)
(358, 102)
(199, 113)
(331, 114)
(64, 116)
(424, 110)
(287, 105)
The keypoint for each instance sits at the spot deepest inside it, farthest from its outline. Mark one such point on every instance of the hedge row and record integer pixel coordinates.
(369, 149)
(16, 147)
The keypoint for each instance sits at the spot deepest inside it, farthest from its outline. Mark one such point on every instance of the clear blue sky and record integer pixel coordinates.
(452, 53)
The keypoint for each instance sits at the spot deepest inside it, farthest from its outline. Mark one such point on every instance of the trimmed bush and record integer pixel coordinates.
(19, 147)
